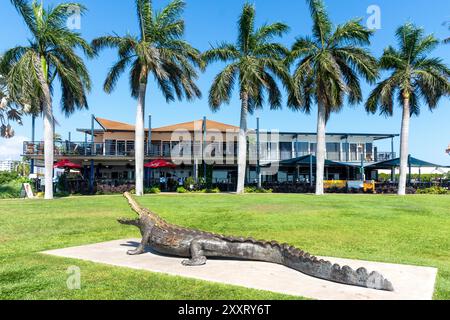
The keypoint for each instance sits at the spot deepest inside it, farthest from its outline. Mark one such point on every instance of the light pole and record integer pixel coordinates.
(258, 154)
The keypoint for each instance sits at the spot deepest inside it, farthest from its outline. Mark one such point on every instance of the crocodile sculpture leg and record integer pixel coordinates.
(199, 248)
(141, 248)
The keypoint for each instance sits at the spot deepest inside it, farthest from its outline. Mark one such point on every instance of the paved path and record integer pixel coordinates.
(410, 282)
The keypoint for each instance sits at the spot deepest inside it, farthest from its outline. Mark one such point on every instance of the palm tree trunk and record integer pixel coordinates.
(49, 152)
(321, 148)
(49, 124)
(404, 146)
(242, 149)
(140, 141)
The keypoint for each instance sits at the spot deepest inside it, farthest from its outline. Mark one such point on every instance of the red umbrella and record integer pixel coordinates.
(67, 164)
(160, 164)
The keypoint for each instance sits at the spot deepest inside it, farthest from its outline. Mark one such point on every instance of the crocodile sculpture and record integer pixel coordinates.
(168, 239)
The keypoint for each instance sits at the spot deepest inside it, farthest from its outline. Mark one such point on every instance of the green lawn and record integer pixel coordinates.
(412, 230)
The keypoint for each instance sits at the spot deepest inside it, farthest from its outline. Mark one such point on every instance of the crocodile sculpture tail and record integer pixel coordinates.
(302, 261)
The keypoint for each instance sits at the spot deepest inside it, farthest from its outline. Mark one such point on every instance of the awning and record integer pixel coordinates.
(412, 162)
(67, 164)
(306, 161)
(160, 164)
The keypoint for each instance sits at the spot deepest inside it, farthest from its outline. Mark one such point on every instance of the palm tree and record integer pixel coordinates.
(330, 65)
(9, 111)
(50, 55)
(158, 50)
(257, 63)
(413, 76)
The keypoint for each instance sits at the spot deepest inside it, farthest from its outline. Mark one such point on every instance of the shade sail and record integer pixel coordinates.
(160, 164)
(67, 164)
(307, 160)
(412, 162)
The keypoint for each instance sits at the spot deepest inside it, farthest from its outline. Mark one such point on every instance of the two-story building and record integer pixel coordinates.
(197, 147)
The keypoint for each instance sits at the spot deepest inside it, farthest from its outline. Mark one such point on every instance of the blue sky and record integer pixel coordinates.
(211, 21)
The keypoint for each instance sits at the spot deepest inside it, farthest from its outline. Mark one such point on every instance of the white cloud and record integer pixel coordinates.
(11, 149)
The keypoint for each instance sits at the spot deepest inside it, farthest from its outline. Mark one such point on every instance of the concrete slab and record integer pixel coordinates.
(410, 282)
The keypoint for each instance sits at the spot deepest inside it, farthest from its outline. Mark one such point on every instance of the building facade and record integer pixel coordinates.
(7, 165)
(209, 148)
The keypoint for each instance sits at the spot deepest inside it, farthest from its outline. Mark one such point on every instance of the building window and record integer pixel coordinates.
(313, 147)
(285, 150)
(369, 152)
(110, 147)
(333, 151)
(301, 149)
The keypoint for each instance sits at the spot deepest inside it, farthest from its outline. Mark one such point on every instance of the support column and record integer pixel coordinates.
(149, 137)
(91, 176)
(33, 127)
(258, 154)
(409, 171)
(204, 128)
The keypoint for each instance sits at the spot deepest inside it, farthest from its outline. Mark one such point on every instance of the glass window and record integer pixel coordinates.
(301, 149)
(110, 146)
(333, 151)
(285, 150)
(313, 147)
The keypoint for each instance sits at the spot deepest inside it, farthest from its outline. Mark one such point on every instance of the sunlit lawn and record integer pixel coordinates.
(412, 230)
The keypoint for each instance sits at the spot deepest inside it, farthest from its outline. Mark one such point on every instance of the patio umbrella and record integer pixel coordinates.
(67, 164)
(160, 164)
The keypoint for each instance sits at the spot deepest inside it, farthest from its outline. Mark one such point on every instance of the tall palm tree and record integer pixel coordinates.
(50, 55)
(330, 65)
(413, 77)
(158, 50)
(256, 62)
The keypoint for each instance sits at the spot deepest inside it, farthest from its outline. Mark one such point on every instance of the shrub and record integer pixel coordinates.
(107, 189)
(433, 190)
(182, 190)
(215, 190)
(188, 182)
(154, 190)
(257, 190)
(7, 177)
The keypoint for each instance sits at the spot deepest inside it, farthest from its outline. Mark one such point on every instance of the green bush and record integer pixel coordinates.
(433, 190)
(182, 190)
(257, 190)
(7, 177)
(10, 190)
(188, 182)
(215, 190)
(154, 190)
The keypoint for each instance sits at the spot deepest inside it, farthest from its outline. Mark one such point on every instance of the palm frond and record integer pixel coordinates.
(351, 33)
(222, 87)
(321, 22)
(27, 14)
(144, 13)
(246, 28)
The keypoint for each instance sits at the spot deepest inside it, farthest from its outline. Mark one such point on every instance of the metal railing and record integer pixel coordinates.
(167, 149)
(164, 149)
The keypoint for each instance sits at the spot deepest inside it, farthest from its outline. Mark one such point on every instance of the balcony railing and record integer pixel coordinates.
(168, 149)
(127, 149)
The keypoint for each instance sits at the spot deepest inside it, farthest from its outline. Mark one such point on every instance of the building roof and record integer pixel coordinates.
(109, 125)
(412, 162)
(197, 125)
(310, 159)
